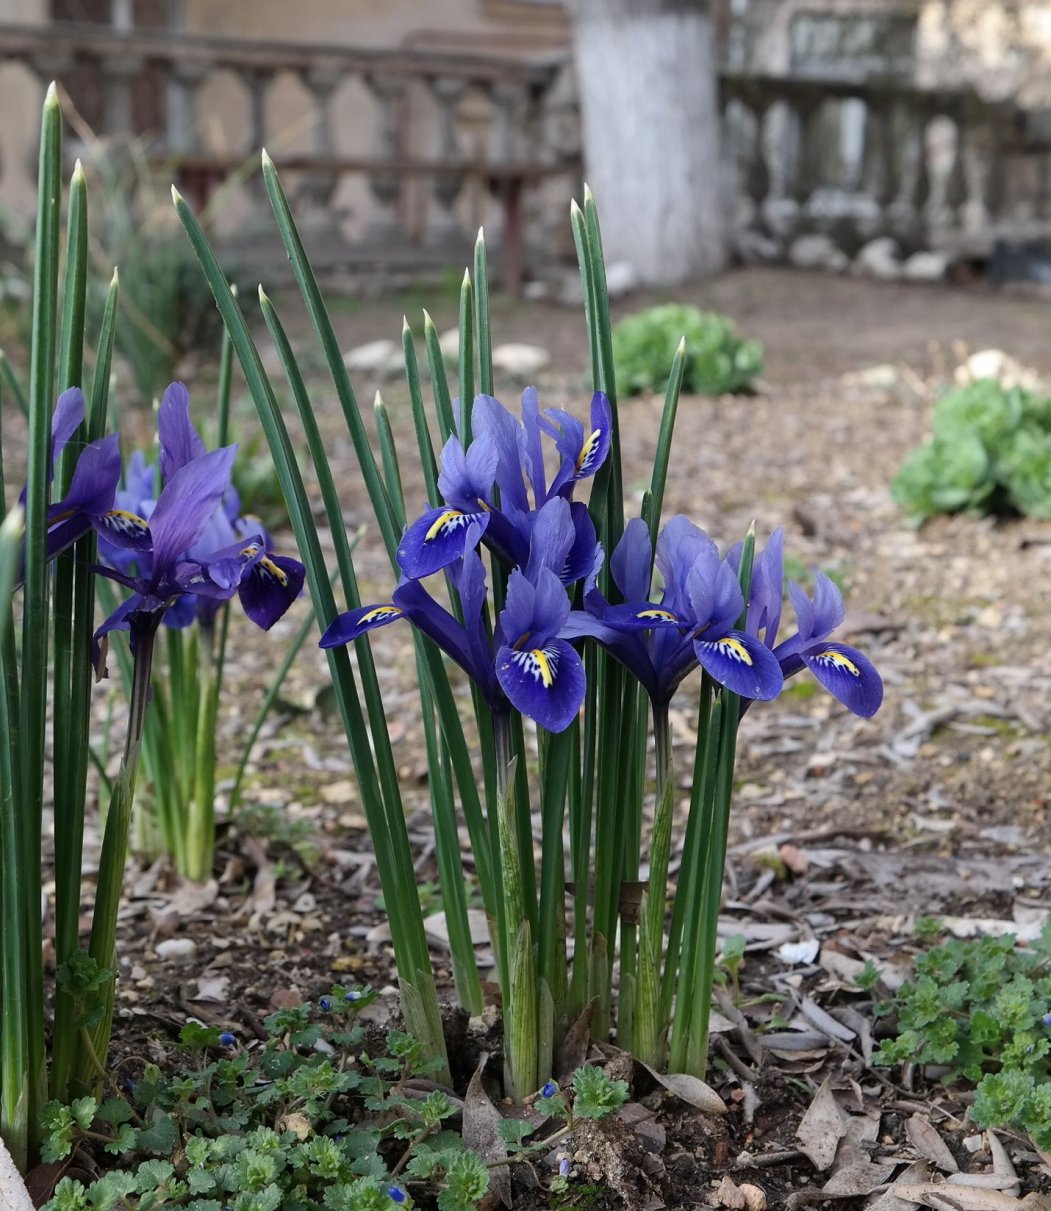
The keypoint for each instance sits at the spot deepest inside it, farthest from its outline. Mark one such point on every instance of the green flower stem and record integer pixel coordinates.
(200, 808)
(103, 944)
(650, 1026)
(14, 1005)
(520, 992)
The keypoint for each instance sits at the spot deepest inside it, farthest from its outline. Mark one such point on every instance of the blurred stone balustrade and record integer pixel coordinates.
(394, 157)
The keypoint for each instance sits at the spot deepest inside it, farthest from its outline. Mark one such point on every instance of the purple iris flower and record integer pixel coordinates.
(269, 584)
(845, 672)
(693, 623)
(183, 544)
(528, 663)
(488, 485)
(94, 482)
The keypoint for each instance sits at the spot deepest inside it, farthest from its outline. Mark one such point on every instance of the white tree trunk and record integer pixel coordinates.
(646, 78)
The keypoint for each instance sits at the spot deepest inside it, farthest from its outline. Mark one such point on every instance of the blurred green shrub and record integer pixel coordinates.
(990, 453)
(717, 359)
(167, 309)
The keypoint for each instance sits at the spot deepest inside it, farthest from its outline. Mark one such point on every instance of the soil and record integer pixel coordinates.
(844, 830)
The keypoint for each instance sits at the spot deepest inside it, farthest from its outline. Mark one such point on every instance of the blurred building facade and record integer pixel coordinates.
(401, 126)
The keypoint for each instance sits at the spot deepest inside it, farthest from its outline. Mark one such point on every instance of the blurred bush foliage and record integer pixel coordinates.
(717, 359)
(990, 453)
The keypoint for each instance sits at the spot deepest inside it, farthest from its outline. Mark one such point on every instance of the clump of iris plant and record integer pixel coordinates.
(547, 601)
(167, 551)
(230, 555)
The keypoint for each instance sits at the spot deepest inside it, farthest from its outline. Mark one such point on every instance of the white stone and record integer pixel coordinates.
(449, 343)
(621, 279)
(752, 248)
(520, 361)
(925, 267)
(994, 363)
(879, 259)
(176, 948)
(371, 358)
(817, 252)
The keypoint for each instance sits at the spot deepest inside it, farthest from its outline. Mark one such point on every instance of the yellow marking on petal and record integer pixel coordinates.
(735, 649)
(273, 570)
(440, 522)
(543, 666)
(380, 612)
(839, 661)
(250, 551)
(588, 449)
(124, 522)
(663, 615)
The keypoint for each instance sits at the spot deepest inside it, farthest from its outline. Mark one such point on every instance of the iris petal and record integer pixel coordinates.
(269, 587)
(435, 540)
(546, 683)
(742, 664)
(345, 628)
(848, 675)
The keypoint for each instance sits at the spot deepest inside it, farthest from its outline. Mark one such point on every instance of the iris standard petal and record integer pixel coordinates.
(187, 503)
(551, 539)
(436, 539)
(546, 683)
(742, 664)
(269, 587)
(848, 675)
(180, 443)
(492, 422)
(534, 448)
(631, 561)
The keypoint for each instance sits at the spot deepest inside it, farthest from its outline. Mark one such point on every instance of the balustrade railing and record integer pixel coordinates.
(855, 161)
(440, 141)
(407, 149)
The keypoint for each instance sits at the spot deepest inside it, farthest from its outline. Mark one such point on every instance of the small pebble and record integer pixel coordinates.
(973, 1143)
(176, 948)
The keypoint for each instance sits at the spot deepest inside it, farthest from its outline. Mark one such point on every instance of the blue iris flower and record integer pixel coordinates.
(693, 623)
(487, 487)
(528, 662)
(845, 672)
(182, 544)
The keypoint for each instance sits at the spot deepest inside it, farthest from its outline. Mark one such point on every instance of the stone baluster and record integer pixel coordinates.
(908, 210)
(118, 73)
(444, 226)
(507, 97)
(879, 173)
(804, 171)
(258, 83)
(954, 183)
(319, 187)
(389, 92)
(184, 81)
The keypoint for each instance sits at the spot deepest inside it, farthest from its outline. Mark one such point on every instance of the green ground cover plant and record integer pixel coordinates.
(989, 453)
(718, 360)
(980, 1011)
(325, 1114)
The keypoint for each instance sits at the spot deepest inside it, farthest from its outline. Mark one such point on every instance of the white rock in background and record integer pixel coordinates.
(994, 363)
(752, 248)
(621, 279)
(879, 259)
(520, 361)
(817, 252)
(449, 343)
(371, 358)
(378, 359)
(176, 948)
(926, 267)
